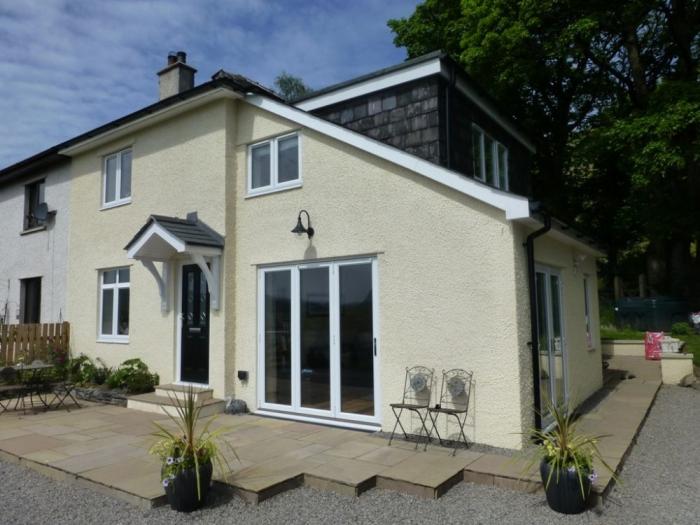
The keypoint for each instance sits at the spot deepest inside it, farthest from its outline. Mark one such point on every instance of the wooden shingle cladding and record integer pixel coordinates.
(433, 120)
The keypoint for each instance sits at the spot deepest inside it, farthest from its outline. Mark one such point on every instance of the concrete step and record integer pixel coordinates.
(163, 404)
(179, 392)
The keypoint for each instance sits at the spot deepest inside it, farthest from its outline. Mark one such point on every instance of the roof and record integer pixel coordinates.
(190, 231)
(52, 155)
(435, 63)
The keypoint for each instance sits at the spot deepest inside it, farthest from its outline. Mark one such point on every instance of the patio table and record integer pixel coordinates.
(30, 376)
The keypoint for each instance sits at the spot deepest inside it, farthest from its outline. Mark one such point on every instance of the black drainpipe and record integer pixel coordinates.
(534, 342)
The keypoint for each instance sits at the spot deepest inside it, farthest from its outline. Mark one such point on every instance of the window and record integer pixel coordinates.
(114, 305)
(587, 311)
(274, 164)
(30, 300)
(116, 187)
(490, 159)
(33, 196)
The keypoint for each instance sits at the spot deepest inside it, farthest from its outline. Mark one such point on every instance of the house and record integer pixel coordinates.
(300, 256)
(34, 198)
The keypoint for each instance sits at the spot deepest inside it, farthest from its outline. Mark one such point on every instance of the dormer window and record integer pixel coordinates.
(116, 181)
(33, 196)
(490, 159)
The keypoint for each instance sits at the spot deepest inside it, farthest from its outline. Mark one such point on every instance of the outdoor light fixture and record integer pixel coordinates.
(299, 228)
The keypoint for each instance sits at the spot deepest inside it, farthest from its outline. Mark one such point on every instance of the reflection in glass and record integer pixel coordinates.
(314, 348)
(543, 337)
(288, 159)
(107, 311)
(356, 339)
(123, 312)
(278, 345)
(557, 342)
(260, 166)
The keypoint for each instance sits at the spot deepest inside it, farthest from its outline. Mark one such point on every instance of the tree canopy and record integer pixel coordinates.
(290, 87)
(609, 94)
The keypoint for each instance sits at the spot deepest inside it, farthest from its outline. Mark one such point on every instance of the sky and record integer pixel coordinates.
(67, 66)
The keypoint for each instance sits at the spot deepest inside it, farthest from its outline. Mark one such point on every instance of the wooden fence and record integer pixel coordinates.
(27, 342)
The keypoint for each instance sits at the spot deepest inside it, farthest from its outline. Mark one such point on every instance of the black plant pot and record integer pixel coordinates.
(564, 492)
(182, 491)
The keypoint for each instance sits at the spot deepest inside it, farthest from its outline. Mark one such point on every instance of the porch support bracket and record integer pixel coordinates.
(162, 278)
(212, 276)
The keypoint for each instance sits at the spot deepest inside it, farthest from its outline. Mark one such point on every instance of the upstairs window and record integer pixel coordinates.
(116, 186)
(274, 164)
(114, 305)
(33, 196)
(490, 159)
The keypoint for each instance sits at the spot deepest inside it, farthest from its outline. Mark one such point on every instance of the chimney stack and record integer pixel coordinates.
(177, 76)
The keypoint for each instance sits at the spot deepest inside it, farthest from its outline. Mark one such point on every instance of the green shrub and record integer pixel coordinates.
(134, 376)
(84, 370)
(681, 329)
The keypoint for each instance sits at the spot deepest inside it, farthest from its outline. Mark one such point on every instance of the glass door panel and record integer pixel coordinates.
(543, 340)
(356, 339)
(278, 337)
(557, 343)
(314, 333)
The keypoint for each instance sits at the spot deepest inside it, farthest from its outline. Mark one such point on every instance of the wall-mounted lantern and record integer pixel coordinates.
(299, 229)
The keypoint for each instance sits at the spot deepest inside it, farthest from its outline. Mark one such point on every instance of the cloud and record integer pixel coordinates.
(67, 66)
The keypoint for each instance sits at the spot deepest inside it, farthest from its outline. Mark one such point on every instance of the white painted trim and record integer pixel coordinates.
(514, 206)
(212, 277)
(155, 229)
(114, 337)
(162, 280)
(371, 85)
(318, 420)
(149, 120)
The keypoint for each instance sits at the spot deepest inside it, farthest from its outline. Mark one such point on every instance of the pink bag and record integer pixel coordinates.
(652, 345)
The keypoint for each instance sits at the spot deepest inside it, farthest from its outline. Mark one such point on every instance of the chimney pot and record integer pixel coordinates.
(182, 57)
(172, 58)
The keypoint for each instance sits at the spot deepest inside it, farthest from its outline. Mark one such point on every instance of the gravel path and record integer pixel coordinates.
(661, 485)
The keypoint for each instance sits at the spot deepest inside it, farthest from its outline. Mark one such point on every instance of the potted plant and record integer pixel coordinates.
(566, 462)
(188, 454)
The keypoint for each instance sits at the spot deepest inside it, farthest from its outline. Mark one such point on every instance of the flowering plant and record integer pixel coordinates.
(188, 447)
(562, 447)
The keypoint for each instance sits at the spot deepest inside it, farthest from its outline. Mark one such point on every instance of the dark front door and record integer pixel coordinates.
(194, 360)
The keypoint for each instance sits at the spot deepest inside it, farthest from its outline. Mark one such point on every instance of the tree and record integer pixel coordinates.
(608, 93)
(290, 87)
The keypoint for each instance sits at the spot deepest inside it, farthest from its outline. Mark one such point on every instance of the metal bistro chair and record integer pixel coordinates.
(10, 391)
(417, 391)
(454, 401)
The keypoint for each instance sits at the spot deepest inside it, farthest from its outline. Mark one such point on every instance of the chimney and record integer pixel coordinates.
(177, 76)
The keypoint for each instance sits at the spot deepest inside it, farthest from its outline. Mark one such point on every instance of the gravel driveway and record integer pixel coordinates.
(660, 485)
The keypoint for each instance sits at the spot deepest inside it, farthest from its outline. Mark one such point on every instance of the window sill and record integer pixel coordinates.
(113, 340)
(115, 204)
(266, 191)
(33, 230)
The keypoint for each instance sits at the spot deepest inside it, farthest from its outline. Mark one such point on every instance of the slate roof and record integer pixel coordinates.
(190, 231)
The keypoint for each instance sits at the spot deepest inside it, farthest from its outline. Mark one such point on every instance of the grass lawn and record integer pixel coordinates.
(692, 342)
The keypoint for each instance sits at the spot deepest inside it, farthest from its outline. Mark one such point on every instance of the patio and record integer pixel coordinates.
(106, 447)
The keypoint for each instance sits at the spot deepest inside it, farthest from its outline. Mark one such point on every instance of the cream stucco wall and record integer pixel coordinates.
(178, 166)
(446, 269)
(43, 253)
(584, 369)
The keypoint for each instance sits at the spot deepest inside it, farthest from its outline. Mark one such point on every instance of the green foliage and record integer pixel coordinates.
(189, 447)
(563, 447)
(84, 370)
(681, 329)
(610, 332)
(134, 376)
(290, 87)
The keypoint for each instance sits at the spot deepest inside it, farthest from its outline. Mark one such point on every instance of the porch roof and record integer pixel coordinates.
(161, 237)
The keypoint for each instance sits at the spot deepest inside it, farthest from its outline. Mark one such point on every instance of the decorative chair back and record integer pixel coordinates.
(455, 389)
(8, 375)
(418, 385)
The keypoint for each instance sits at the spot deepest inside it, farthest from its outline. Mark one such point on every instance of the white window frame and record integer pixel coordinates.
(588, 318)
(274, 185)
(118, 201)
(481, 175)
(114, 337)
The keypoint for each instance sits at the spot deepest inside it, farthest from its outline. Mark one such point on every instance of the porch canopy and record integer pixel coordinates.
(168, 239)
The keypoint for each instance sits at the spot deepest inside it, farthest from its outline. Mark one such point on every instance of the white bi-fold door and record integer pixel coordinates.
(317, 340)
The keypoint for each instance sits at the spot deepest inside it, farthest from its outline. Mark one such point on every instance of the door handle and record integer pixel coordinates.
(374, 345)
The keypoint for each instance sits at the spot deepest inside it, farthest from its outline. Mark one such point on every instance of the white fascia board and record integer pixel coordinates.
(149, 120)
(155, 229)
(514, 206)
(425, 69)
